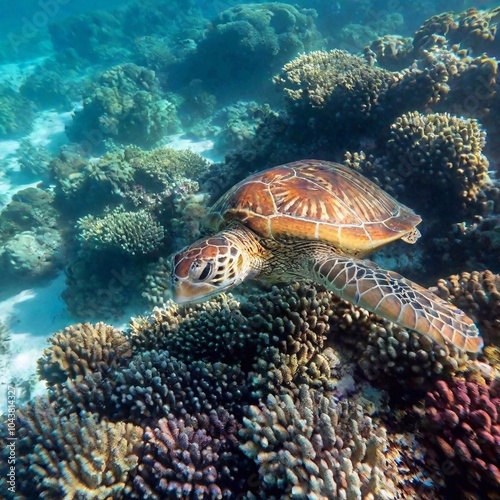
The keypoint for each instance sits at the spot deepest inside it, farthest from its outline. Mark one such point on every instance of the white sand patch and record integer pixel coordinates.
(14, 74)
(48, 129)
(202, 147)
(31, 316)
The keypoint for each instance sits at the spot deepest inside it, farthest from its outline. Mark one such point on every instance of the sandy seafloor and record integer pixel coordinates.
(32, 315)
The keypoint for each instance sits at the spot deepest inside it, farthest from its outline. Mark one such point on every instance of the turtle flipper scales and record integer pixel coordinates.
(399, 300)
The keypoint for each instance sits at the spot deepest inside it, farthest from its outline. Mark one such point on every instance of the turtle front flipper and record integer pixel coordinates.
(399, 300)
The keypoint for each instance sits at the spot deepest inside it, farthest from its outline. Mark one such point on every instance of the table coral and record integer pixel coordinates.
(463, 427)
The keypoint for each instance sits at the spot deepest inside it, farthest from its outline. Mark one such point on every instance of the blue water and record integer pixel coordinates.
(121, 124)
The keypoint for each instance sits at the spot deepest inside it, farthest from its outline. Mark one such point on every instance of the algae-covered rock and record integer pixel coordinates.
(31, 254)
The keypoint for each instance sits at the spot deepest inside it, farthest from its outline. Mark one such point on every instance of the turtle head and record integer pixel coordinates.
(210, 266)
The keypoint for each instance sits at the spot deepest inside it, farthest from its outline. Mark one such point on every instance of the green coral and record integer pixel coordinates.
(121, 231)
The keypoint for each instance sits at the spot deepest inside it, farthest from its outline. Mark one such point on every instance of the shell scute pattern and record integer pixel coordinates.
(316, 200)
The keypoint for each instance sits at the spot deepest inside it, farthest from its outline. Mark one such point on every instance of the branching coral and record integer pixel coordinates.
(478, 294)
(440, 156)
(463, 424)
(82, 349)
(390, 51)
(121, 231)
(155, 383)
(47, 447)
(192, 457)
(313, 447)
(335, 81)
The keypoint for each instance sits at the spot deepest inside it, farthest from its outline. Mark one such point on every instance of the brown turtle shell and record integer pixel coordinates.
(316, 200)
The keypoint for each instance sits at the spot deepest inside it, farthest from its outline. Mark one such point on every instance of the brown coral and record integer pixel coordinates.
(478, 294)
(81, 349)
(73, 457)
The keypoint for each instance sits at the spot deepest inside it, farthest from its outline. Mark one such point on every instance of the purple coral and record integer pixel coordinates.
(464, 423)
(192, 457)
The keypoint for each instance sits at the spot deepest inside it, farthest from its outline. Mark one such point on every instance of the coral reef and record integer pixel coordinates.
(47, 444)
(192, 457)
(462, 420)
(391, 52)
(333, 83)
(245, 45)
(439, 153)
(17, 113)
(31, 254)
(81, 349)
(127, 106)
(33, 160)
(478, 294)
(313, 447)
(133, 233)
(48, 89)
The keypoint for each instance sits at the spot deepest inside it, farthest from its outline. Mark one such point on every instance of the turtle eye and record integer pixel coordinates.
(201, 270)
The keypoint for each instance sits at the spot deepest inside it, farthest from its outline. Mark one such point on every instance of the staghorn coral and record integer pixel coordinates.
(195, 456)
(314, 447)
(127, 106)
(81, 349)
(462, 422)
(478, 294)
(48, 443)
(120, 231)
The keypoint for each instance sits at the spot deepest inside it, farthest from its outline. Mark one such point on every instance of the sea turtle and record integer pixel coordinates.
(315, 220)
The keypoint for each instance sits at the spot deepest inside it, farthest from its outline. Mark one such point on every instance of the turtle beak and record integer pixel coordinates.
(185, 292)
